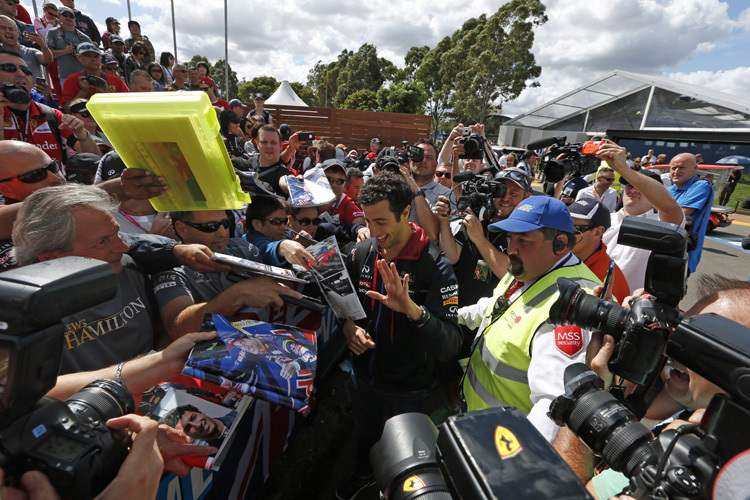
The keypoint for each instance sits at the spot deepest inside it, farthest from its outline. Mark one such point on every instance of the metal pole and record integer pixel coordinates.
(174, 33)
(33, 2)
(130, 17)
(226, 51)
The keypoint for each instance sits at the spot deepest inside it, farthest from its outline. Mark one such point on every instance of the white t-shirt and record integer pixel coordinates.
(608, 199)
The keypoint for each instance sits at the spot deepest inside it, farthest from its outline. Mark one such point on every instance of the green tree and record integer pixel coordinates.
(492, 58)
(198, 58)
(265, 85)
(363, 100)
(220, 81)
(402, 97)
(437, 80)
(413, 60)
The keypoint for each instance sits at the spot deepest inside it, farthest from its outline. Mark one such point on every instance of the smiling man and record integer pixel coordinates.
(198, 425)
(269, 165)
(409, 294)
(521, 357)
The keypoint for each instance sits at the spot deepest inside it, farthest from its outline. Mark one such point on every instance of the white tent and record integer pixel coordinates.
(285, 96)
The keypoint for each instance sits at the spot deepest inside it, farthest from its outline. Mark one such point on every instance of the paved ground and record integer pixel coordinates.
(322, 453)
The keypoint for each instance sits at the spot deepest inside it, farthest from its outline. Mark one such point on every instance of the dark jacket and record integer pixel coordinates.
(404, 354)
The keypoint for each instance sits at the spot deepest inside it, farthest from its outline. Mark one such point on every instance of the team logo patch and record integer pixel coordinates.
(452, 300)
(413, 483)
(506, 443)
(569, 340)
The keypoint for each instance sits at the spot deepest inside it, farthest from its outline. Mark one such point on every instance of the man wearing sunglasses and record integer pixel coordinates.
(84, 23)
(34, 58)
(307, 228)
(591, 219)
(92, 79)
(643, 195)
(63, 40)
(602, 190)
(520, 357)
(29, 122)
(180, 73)
(342, 210)
(185, 295)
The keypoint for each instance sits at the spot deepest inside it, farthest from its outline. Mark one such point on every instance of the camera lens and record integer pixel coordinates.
(101, 400)
(586, 311)
(16, 95)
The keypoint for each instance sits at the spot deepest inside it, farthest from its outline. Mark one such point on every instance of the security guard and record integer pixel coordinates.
(520, 358)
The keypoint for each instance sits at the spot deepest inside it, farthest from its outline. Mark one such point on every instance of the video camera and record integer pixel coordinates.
(678, 464)
(67, 441)
(478, 192)
(564, 160)
(473, 145)
(390, 158)
(492, 453)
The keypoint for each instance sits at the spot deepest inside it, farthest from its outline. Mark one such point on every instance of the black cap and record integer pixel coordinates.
(590, 210)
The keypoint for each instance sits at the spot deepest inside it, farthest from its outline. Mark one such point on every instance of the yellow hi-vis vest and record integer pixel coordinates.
(497, 374)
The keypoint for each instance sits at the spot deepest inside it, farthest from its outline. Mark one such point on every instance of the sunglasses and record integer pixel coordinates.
(335, 182)
(12, 68)
(441, 174)
(276, 221)
(35, 176)
(181, 70)
(84, 113)
(582, 228)
(68, 15)
(52, 14)
(608, 179)
(155, 70)
(209, 227)
(514, 176)
(306, 221)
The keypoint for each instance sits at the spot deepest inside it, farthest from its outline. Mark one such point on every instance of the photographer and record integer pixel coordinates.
(92, 79)
(421, 178)
(723, 296)
(642, 195)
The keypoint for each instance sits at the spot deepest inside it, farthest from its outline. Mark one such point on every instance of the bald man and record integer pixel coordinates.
(694, 196)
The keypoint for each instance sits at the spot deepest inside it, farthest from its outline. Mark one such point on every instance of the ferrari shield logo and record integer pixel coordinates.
(506, 443)
(413, 483)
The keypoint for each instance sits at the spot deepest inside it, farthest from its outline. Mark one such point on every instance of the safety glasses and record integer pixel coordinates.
(306, 221)
(35, 176)
(12, 68)
(209, 227)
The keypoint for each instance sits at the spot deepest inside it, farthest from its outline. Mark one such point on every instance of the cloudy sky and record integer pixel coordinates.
(703, 42)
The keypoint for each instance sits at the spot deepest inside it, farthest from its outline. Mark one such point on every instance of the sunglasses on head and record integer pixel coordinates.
(306, 221)
(12, 68)
(441, 174)
(35, 176)
(276, 221)
(335, 182)
(582, 228)
(209, 227)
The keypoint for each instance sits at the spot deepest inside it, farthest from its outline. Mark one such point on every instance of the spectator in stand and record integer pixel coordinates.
(355, 179)
(113, 28)
(136, 59)
(195, 80)
(49, 19)
(728, 189)
(203, 70)
(229, 127)
(699, 159)
(110, 65)
(443, 174)
(135, 36)
(13, 10)
(92, 79)
(63, 40)
(77, 108)
(166, 60)
(238, 108)
(19, 117)
(84, 23)
(648, 157)
(34, 58)
(180, 78)
(259, 111)
(601, 190)
(156, 73)
(140, 81)
(636, 163)
(207, 86)
(117, 49)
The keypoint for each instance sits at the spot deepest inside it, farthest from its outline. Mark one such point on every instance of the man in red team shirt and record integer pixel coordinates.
(27, 122)
(92, 79)
(343, 210)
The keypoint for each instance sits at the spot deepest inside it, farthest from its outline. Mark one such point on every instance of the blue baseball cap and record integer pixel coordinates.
(536, 212)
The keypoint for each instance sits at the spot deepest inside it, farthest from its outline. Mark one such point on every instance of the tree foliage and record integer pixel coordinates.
(265, 85)
(402, 97)
(363, 100)
(351, 72)
(217, 75)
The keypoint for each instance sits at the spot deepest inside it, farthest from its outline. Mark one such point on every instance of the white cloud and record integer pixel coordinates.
(733, 81)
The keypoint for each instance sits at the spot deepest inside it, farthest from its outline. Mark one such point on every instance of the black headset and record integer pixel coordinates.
(558, 244)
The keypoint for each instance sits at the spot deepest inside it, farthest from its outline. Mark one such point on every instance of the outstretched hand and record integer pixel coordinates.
(397, 291)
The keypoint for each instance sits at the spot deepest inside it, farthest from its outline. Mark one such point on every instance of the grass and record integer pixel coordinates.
(741, 192)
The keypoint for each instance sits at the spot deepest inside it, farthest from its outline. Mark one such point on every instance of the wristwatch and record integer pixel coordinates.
(85, 138)
(420, 193)
(425, 317)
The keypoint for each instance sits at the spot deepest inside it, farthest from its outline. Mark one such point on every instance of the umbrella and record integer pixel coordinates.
(734, 160)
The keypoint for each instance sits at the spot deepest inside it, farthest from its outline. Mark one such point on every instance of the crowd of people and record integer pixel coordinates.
(438, 285)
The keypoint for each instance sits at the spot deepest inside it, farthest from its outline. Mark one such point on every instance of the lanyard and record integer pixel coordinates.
(132, 220)
(23, 136)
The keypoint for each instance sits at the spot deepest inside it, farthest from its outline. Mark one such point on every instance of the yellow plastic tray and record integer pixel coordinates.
(175, 135)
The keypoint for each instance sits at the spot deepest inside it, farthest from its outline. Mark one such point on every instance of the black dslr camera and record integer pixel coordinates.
(563, 160)
(473, 145)
(390, 159)
(15, 94)
(67, 441)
